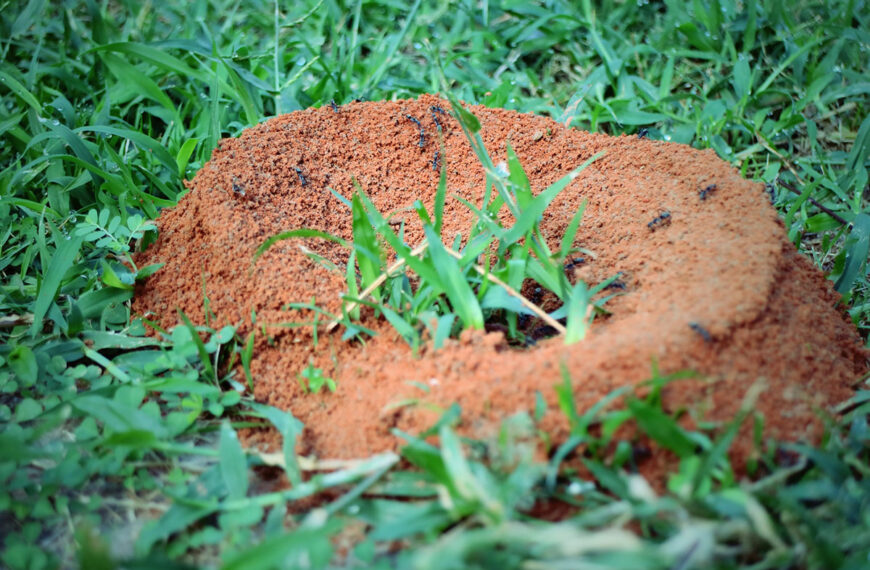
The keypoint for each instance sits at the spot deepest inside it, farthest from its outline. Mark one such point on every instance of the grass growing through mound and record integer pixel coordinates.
(116, 446)
(463, 287)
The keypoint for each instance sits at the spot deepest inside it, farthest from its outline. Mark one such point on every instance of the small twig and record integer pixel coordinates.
(845, 107)
(11, 321)
(308, 463)
(129, 503)
(790, 188)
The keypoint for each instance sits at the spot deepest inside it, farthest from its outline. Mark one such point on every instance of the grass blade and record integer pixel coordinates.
(571, 232)
(402, 326)
(16, 87)
(200, 347)
(520, 182)
(857, 252)
(61, 261)
(440, 195)
(183, 156)
(365, 242)
(529, 217)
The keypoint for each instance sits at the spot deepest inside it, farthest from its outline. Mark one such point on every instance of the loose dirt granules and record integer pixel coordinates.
(713, 286)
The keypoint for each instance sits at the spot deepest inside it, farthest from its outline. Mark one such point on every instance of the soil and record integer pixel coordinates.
(716, 289)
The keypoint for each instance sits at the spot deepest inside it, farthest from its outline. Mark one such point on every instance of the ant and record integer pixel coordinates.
(333, 105)
(543, 331)
(643, 133)
(237, 188)
(574, 262)
(701, 331)
(616, 283)
(434, 110)
(663, 219)
(436, 160)
(302, 178)
(707, 191)
(771, 191)
(419, 126)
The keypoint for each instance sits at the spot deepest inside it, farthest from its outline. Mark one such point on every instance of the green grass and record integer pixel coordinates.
(118, 449)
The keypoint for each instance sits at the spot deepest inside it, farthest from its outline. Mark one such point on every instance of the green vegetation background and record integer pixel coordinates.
(117, 449)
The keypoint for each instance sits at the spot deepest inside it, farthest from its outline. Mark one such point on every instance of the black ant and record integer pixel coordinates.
(302, 178)
(574, 262)
(333, 105)
(616, 283)
(706, 191)
(419, 126)
(643, 133)
(434, 110)
(238, 189)
(544, 331)
(701, 331)
(640, 453)
(771, 191)
(663, 219)
(436, 160)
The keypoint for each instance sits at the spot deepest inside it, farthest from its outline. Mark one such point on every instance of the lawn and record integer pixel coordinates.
(108, 107)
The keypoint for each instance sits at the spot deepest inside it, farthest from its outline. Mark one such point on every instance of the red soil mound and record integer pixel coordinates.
(722, 263)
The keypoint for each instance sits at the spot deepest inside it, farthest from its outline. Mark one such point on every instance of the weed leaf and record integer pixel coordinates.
(23, 363)
(661, 427)
(233, 464)
(61, 261)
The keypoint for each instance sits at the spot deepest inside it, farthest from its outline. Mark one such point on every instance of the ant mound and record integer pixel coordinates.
(709, 282)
